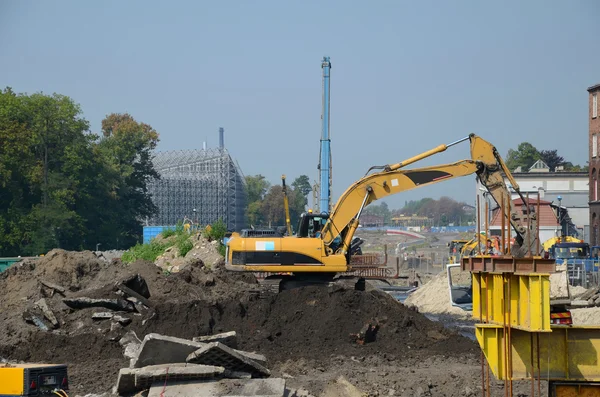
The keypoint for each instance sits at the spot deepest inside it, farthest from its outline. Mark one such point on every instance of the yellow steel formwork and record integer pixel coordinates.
(521, 301)
(568, 353)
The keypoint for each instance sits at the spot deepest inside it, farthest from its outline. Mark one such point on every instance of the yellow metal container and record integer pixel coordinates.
(32, 379)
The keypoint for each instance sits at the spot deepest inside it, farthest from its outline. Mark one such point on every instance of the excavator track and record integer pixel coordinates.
(277, 283)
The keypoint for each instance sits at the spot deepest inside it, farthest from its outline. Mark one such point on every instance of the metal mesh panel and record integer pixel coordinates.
(209, 181)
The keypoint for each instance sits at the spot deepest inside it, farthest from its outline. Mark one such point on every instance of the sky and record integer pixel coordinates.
(406, 76)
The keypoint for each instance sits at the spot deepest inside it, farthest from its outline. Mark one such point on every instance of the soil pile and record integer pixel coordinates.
(434, 297)
(203, 251)
(312, 323)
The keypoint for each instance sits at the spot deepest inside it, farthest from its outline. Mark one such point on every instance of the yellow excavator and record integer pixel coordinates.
(322, 246)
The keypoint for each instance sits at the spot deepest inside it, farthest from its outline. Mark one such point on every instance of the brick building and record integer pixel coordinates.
(594, 155)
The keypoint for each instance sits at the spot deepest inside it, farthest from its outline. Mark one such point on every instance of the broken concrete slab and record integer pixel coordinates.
(128, 291)
(34, 319)
(125, 382)
(137, 284)
(144, 377)
(226, 338)
(102, 316)
(160, 349)
(259, 358)
(273, 387)
(127, 377)
(112, 304)
(122, 320)
(49, 314)
(216, 353)
(53, 286)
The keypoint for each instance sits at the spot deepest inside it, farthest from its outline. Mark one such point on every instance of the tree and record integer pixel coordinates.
(552, 159)
(256, 187)
(302, 184)
(524, 157)
(127, 149)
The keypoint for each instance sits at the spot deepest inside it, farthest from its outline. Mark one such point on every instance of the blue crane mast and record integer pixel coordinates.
(325, 155)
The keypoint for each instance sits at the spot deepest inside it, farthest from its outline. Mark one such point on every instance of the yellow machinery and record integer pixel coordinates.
(326, 253)
(454, 250)
(33, 380)
(511, 301)
(286, 205)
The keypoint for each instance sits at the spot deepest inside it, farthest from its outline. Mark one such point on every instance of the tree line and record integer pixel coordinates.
(526, 155)
(62, 186)
(265, 206)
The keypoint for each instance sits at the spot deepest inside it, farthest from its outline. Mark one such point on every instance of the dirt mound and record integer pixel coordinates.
(312, 323)
(434, 297)
(203, 251)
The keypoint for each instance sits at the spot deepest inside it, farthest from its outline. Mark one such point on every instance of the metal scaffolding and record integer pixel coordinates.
(208, 181)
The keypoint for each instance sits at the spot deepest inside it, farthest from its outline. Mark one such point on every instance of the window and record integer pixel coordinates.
(594, 145)
(594, 105)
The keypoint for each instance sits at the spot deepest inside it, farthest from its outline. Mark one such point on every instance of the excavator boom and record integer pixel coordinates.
(485, 162)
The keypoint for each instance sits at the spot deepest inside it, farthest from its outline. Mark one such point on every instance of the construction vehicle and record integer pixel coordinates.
(454, 250)
(321, 257)
(286, 206)
(33, 380)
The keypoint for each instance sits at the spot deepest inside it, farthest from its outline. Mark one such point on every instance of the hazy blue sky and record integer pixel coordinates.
(406, 76)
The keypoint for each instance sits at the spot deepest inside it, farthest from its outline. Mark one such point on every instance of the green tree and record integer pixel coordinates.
(524, 157)
(257, 187)
(552, 159)
(302, 184)
(127, 149)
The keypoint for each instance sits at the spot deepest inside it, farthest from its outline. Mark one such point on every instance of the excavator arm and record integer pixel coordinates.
(485, 162)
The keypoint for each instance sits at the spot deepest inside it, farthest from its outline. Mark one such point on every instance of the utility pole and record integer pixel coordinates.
(325, 155)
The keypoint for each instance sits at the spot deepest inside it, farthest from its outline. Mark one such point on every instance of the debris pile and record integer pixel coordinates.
(166, 365)
(202, 253)
(78, 309)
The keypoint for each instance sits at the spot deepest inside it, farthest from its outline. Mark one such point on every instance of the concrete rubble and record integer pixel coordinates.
(112, 304)
(216, 353)
(226, 338)
(169, 366)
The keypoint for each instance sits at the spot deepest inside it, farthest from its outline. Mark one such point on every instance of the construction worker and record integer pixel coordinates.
(489, 248)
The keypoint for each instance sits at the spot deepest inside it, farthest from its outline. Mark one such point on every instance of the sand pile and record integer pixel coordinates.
(434, 296)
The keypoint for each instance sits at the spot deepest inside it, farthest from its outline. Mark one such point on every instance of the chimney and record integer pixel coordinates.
(221, 138)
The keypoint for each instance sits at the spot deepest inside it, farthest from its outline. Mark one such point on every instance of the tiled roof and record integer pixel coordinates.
(546, 217)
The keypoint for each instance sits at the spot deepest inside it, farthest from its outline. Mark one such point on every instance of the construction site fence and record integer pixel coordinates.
(433, 229)
(583, 272)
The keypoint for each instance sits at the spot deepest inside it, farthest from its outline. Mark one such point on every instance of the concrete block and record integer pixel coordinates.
(160, 349)
(112, 304)
(126, 381)
(102, 316)
(144, 377)
(218, 354)
(273, 387)
(226, 338)
(259, 358)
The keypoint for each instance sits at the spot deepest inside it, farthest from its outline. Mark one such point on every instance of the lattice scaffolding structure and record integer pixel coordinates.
(198, 185)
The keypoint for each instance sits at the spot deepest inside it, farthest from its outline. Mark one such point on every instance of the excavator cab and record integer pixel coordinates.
(311, 224)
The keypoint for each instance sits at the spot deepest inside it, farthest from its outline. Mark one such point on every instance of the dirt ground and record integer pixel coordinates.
(304, 333)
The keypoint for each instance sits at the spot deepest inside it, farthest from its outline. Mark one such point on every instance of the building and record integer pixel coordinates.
(594, 161)
(412, 221)
(547, 219)
(569, 190)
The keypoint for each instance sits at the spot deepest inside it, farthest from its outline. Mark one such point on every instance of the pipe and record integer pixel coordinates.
(528, 228)
(478, 224)
(537, 225)
(502, 209)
